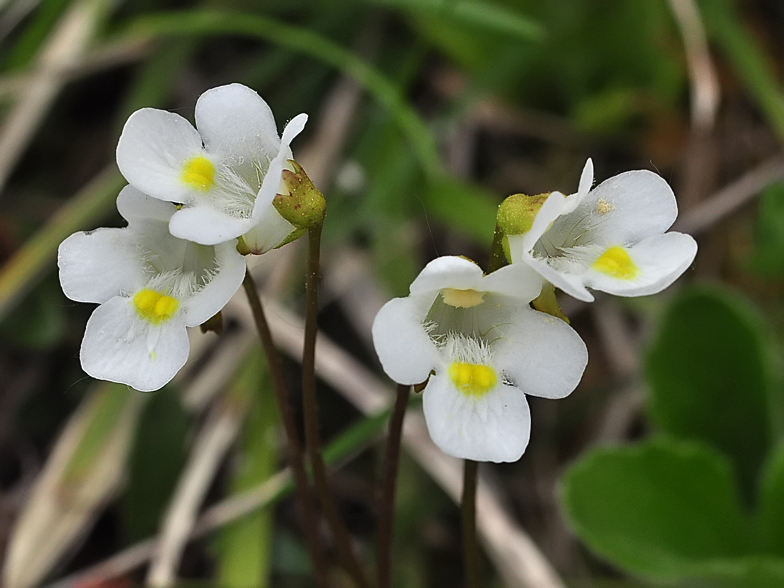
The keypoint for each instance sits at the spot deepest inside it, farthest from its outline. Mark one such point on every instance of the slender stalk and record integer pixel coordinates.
(468, 508)
(386, 503)
(310, 408)
(497, 255)
(307, 509)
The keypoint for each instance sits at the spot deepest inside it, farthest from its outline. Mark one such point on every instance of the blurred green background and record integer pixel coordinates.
(664, 466)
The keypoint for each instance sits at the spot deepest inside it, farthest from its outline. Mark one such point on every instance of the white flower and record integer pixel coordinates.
(611, 238)
(150, 287)
(482, 347)
(225, 175)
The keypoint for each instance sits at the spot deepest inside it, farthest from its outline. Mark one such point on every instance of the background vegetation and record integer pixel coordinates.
(665, 465)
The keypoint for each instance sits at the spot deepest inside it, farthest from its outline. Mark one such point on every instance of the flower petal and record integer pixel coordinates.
(119, 346)
(270, 186)
(271, 230)
(569, 283)
(206, 225)
(448, 271)
(237, 125)
(406, 351)
(493, 428)
(554, 207)
(541, 354)
(660, 260)
(213, 296)
(629, 207)
(586, 178)
(518, 281)
(152, 150)
(98, 265)
(135, 206)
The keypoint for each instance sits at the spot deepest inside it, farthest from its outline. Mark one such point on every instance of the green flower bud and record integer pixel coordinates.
(302, 204)
(516, 214)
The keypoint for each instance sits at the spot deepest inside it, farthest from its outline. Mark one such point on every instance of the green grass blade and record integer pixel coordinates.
(210, 22)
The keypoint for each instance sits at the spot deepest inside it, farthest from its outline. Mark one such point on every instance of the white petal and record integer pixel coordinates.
(136, 206)
(541, 355)
(569, 283)
(270, 186)
(98, 265)
(270, 232)
(636, 204)
(237, 125)
(555, 206)
(213, 297)
(118, 346)
(404, 348)
(447, 272)
(152, 150)
(586, 178)
(661, 260)
(494, 428)
(207, 226)
(518, 281)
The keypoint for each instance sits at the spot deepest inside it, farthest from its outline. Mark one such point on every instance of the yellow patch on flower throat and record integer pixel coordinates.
(472, 379)
(462, 298)
(199, 173)
(154, 307)
(616, 263)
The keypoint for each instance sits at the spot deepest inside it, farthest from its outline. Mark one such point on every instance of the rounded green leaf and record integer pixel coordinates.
(663, 508)
(711, 374)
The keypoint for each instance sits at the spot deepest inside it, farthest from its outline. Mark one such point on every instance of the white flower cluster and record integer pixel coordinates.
(192, 193)
(477, 343)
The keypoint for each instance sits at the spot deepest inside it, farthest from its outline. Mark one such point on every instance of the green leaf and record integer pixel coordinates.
(768, 256)
(711, 376)
(663, 509)
(770, 513)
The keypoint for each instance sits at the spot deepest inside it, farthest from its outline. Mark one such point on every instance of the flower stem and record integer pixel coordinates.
(468, 507)
(386, 503)
(310, 408)
(307, 509)
(497, 255)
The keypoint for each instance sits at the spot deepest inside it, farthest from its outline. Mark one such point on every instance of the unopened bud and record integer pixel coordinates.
(303, 205)
(516, 214)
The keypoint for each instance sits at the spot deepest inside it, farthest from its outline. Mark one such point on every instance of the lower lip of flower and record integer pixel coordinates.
(474, 380)
(155, 307)
(616, 263)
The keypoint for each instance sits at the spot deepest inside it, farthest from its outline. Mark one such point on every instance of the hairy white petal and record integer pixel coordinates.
(222, 285)
(495, 427)
(136, 207)
(206, 225)
(152, 150)
(517, 281)
(119, 346)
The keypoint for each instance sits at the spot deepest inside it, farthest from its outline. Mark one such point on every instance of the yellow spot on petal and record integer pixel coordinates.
(462, 298)
(155, 307)
(603, 206)
(472, 379)
(616, 263)
(198, 173)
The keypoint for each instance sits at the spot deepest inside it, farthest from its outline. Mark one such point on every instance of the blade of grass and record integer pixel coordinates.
(212, 22)
(751, 64)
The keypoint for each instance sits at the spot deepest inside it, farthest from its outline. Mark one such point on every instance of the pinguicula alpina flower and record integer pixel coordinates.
(611, 238)
(481, 348)
(225, 174)
(150, 287)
